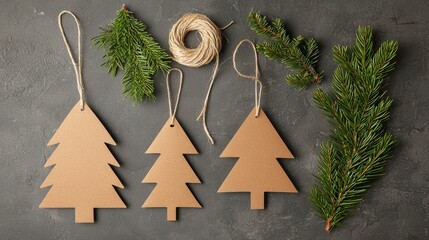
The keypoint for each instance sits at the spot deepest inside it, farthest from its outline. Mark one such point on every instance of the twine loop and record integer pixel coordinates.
(207, 50)
(258, 83)
(171, 110)
(76, 65)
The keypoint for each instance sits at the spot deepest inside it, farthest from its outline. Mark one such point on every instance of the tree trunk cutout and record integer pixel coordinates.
(84, 215)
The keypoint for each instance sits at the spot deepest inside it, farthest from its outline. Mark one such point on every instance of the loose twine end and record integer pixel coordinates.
(228, 25)
(208, 49)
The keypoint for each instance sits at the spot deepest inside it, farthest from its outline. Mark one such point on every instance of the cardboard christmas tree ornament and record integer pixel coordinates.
(81, 177)
(171, 172)
(257, 145)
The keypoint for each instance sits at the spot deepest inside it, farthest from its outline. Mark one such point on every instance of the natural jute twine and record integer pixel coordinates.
(167, 78)
(258, 83)
(76, 65)
(208, 49)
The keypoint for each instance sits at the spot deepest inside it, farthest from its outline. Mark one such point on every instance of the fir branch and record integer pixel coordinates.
(130, 48)
(358, 147)
(299, 54)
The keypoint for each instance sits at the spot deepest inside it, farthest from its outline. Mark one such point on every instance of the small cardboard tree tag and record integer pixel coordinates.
(171, 172)
(82, 178)
(258, 145)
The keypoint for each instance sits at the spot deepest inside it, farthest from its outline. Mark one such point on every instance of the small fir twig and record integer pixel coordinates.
(358, 147)
(130, 48)
(299, 54)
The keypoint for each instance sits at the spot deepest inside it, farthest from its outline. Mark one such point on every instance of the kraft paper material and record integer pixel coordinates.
(82, 178)
(257, 145)
(171, 172)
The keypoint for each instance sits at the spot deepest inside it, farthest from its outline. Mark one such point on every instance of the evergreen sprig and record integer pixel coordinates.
(130, 48)
(358, 147)
(299, 53)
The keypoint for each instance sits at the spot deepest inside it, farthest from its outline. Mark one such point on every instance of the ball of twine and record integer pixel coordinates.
(208, 49)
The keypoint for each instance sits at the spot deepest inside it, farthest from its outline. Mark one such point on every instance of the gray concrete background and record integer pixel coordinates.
(38, 90)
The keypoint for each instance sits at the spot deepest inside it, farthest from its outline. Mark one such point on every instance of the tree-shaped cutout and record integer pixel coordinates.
(258, 145)
(171, 172)
(82, 178)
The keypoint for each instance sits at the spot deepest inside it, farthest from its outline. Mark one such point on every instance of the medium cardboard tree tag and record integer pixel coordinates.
(257, 144)
(82, 178)
(171, 172)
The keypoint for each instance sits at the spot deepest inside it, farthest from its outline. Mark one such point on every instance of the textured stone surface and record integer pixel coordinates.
(37, 90)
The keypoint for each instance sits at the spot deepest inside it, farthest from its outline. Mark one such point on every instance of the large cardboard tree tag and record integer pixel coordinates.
(257, 144)
(82, 178)
(171, 171)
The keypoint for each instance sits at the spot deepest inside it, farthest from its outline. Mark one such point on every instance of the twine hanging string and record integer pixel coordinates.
(76, 65)
(208, 49)
(173, 112)
(258, 83)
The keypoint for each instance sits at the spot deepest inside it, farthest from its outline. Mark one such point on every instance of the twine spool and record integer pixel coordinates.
(208, 49)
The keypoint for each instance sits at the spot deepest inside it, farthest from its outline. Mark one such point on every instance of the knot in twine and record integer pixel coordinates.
(208, 49)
